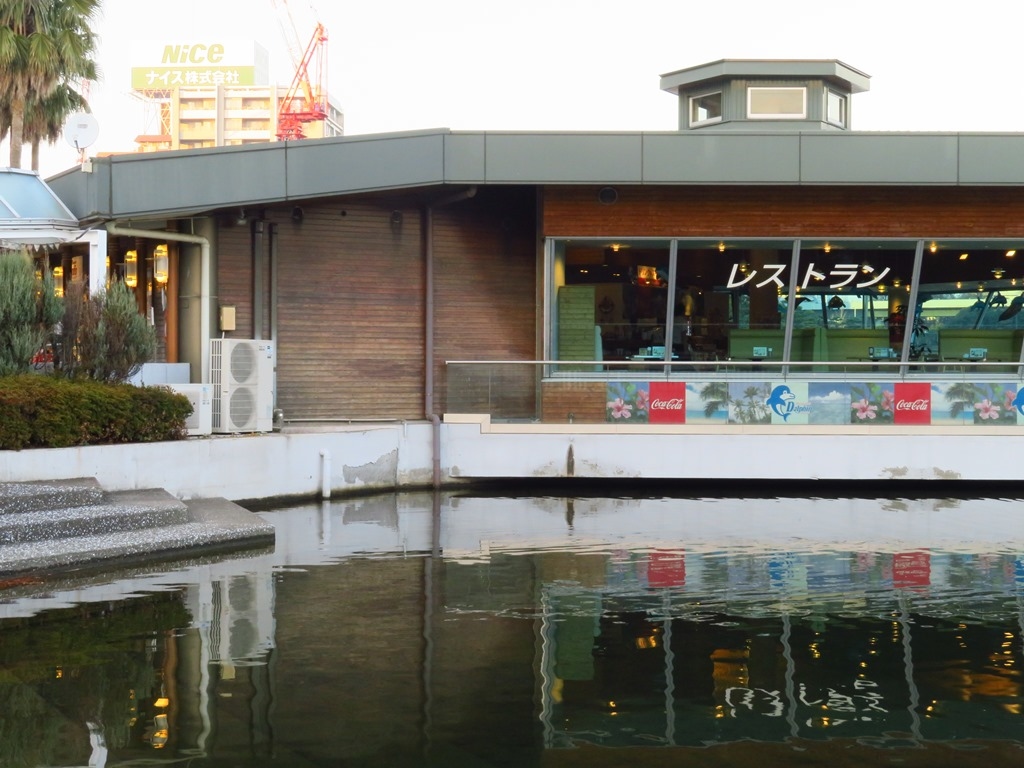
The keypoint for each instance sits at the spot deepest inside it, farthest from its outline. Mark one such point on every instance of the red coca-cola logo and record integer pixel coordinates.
(672, 404)
(668, 402)
(912, 403)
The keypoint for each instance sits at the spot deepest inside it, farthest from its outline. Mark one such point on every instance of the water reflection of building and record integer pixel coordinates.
(623, 625)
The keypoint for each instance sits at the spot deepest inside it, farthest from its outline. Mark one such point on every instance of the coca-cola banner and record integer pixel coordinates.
(912, 403)
(668, 402)
(791, 402)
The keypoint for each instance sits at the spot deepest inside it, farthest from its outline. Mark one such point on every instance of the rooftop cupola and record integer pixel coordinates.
(765, 94)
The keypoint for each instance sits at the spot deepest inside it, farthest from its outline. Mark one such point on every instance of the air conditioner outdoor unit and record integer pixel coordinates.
(201, 397)
(242, 376)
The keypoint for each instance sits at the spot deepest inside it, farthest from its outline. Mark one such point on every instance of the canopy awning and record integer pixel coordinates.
(31, 215)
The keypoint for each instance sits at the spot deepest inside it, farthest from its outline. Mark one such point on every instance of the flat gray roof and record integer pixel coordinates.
(830, 70)
(178, 183)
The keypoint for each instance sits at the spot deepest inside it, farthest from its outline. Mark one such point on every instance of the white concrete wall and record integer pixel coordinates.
(399, 455)
(244, 466)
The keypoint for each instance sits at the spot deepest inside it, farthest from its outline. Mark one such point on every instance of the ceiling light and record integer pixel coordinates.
(963, 256)
(828, 248)
(933, 247)
(721, 247)
(1011, 253)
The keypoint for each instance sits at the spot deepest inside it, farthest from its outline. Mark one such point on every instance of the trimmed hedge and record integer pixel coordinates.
(50, 412)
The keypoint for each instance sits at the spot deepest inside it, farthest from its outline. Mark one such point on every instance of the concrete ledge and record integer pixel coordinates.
(95, 519)
(128, 527)
(44, 494)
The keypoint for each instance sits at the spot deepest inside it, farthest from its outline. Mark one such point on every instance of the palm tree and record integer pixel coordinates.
(44, 120)
(715, 395)
(43, 44)
(961, 397)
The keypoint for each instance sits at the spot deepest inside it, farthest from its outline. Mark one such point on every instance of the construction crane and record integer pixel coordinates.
(306, 98)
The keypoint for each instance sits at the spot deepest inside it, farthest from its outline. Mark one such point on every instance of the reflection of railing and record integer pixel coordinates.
(575, 390)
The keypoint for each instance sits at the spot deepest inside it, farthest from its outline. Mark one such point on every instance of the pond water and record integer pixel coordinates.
(461, 630)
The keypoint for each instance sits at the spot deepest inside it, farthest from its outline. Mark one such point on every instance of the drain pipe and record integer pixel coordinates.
(428, 329)
(325, 474)
(204, 278)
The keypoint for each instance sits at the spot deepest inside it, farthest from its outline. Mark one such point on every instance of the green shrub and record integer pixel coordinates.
(50, 412)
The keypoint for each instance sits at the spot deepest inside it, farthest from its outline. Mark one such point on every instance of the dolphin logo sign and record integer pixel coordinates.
(782, 401)
(1018, 401)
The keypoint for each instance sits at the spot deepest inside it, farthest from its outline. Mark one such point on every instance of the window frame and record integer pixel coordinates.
(843, 108)
(693, 121)
(751, 115)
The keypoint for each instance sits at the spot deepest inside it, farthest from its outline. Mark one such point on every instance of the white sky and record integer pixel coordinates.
(397, 65)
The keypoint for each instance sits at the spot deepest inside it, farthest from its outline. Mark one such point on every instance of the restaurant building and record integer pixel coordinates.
(763, 271)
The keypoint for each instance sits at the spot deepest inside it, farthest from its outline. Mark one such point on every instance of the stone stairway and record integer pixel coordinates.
(57, 526)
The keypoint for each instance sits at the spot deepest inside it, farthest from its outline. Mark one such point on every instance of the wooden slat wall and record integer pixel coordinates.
(573, 402)
(351, 313)
(351, 304)
(234, 277)
(772, 211)
(485, 279)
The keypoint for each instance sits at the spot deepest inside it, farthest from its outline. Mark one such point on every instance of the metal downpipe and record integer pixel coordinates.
(428, 326)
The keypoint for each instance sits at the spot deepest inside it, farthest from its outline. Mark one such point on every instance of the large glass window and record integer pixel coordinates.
(855, 304)
(736, 308)
(969, 303)
(776, 102)
(611, 300)
(706, 108)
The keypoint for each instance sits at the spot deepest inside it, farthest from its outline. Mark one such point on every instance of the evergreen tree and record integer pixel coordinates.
(103, 336)
(28, 312)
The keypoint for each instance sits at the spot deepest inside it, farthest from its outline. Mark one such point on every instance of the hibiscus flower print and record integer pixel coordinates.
(986, 410)
(865, 410)
(643, 398)
(620, 409)
(888, 401)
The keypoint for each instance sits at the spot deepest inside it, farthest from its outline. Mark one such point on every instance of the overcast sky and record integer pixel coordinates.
(581, 64)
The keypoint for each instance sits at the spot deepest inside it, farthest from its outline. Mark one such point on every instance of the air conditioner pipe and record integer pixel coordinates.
(204, 281)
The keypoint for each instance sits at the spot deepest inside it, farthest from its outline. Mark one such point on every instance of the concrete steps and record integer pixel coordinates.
(73, 525)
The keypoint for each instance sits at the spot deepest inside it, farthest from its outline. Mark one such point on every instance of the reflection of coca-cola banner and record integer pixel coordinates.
(912, 403)
(667, 402)
(911, 569)
(666, 569)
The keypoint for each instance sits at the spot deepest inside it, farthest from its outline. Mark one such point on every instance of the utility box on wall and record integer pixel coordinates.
(201, 397)
(227, 318)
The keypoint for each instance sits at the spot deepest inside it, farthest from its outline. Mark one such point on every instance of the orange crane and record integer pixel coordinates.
(306, 98)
